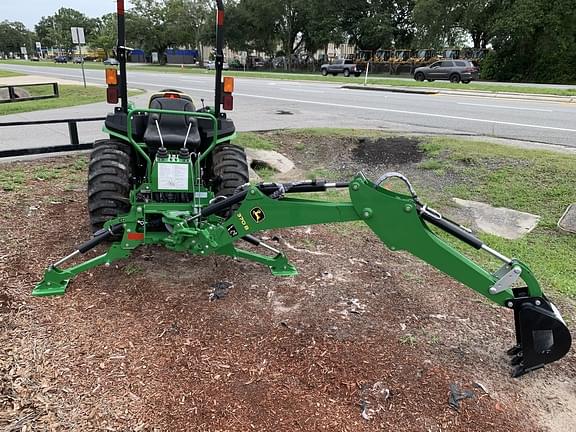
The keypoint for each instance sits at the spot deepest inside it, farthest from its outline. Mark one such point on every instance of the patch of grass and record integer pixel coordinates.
(534, 181)
(408, 339)
(131, 268)
(254, 140)
(321, 174)
(433, 165)
(48, 173)
(11, 180)
(7, 74)
(70, 95)
(265, 172)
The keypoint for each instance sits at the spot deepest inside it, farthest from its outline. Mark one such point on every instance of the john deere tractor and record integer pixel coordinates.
(168, 175)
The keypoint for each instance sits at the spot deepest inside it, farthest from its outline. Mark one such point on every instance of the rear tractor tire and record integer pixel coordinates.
(109, 174)
(230, 171)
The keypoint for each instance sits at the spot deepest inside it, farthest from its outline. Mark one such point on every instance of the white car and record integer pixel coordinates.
(211, 65)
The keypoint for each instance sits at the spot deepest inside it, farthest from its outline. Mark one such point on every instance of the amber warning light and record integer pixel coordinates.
(112, 92)
(111, 76)
(227, 98)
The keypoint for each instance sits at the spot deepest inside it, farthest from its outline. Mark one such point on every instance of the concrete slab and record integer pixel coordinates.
(273, 159)
(568, 220)
(500, 221)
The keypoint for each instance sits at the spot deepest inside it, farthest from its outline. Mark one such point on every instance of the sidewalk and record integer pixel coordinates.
(15, 137)
(36, 79)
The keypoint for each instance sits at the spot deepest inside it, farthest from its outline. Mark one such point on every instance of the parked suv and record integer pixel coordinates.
(61, 59)
(453, 70)
(346, 67)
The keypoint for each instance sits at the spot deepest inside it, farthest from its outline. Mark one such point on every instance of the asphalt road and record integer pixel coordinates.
(262, 104)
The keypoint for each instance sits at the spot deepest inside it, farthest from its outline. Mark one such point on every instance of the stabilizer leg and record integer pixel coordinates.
(56, 280)
(279, 264)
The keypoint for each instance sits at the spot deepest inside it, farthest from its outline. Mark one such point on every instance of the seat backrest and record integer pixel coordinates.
(173, 127)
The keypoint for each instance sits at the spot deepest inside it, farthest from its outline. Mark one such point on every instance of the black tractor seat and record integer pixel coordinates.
(173, 127)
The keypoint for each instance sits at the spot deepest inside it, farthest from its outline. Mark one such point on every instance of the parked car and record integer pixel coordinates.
(344, 66)
(211, 65)
(78, 60)
(111, 62)
(454, 70)
(61, 59)
(35, 58)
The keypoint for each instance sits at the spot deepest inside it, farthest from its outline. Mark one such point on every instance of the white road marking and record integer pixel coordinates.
(408, 112)
(383, 110)
(302, 90)
(505, 107)
(532, 126)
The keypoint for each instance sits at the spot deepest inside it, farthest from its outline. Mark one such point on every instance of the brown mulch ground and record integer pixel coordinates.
(363, 339)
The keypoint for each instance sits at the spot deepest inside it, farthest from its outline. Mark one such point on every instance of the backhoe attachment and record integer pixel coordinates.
(402, 222)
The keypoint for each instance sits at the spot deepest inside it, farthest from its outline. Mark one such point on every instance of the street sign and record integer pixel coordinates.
(78, 35)
(38, 45)
(23, 50)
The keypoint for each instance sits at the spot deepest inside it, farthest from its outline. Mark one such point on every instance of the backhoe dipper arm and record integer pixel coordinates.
(401, 223)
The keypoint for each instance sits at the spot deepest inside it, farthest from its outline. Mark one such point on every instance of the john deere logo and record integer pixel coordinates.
(257, 214)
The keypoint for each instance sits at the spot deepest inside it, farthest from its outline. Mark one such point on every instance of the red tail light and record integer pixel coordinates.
(172, 95)
(112, 95)
(228, 102)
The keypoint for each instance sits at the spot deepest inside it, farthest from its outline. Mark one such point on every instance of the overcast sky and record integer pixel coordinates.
(30, 12)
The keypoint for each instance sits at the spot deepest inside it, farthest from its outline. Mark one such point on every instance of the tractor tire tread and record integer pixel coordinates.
(109, 174)
(230, 170)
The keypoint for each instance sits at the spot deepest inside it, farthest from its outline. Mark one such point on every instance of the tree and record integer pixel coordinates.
(14, 35)
(251, 25)
(368, 23)
(157, 25)
(54, 30)
(105, 36)
(534, 40)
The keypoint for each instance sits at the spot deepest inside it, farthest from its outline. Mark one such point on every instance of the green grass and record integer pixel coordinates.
(534, 181)
(11, 180)
(70, 95)
(254, 140)
(372, 80)
(7, 74)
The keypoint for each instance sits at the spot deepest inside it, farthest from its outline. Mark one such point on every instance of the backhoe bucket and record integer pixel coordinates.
(541, 334)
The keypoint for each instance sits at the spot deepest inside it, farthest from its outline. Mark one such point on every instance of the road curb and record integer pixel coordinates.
(478, 93)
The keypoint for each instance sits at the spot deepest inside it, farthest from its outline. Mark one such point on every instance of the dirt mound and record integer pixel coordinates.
(389, 150)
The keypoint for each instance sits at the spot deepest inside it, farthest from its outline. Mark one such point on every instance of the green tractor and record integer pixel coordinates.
(168, 175)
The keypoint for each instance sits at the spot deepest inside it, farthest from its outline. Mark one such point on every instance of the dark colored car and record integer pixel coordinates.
(111, 62)
(454, 70)
(61, 59)
(343, 66)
